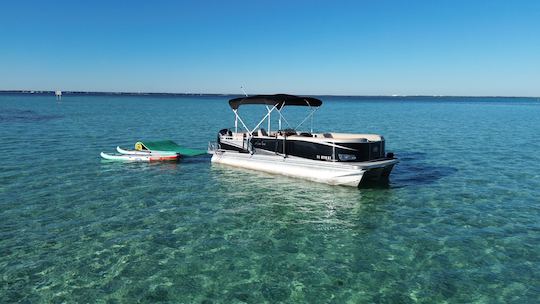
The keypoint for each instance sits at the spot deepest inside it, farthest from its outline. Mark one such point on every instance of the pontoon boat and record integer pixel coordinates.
(332, 158)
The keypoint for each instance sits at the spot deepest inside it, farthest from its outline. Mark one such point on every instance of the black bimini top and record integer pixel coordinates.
(279, 100)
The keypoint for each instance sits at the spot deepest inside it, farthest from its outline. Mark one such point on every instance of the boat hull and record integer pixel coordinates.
(333, 173)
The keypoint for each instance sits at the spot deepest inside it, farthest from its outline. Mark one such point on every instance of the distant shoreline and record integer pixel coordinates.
(97, 93)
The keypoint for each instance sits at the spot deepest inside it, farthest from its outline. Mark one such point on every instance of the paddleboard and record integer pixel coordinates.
(136, 152)
(139, 158)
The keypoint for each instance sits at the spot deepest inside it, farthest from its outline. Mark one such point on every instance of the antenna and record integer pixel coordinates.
(242, 87)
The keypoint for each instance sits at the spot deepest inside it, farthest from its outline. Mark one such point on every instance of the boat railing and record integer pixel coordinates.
(212, 147)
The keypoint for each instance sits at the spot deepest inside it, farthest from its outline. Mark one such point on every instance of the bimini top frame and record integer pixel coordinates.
(274, 102)
(279, 100)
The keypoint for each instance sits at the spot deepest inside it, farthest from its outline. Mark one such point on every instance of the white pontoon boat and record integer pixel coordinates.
(332, 158)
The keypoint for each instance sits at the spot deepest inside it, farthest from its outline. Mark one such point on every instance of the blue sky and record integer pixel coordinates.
(300, 47)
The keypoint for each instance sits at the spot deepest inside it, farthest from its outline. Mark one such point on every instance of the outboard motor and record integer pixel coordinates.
(221, 132)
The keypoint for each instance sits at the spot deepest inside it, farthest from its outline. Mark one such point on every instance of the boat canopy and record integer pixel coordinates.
(278, 100)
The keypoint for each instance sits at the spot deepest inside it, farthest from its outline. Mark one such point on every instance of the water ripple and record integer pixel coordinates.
(458, 223)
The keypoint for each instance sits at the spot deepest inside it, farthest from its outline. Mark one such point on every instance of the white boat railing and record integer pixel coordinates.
(212, 147)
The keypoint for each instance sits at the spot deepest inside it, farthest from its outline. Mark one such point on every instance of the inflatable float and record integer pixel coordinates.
(164, 146)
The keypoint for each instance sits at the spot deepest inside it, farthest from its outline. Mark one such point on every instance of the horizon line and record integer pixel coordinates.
(239, 94)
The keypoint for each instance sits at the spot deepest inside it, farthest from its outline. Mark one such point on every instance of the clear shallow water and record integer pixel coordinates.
(460, 221)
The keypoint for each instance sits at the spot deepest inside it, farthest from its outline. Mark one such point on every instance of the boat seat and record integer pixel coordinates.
(262, 132)
(327, 135)
(288, 132)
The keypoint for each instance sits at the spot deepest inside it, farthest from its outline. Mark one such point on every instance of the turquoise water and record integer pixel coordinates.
(459, 223)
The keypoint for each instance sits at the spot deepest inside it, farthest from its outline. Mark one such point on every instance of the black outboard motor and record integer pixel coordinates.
(221, 133)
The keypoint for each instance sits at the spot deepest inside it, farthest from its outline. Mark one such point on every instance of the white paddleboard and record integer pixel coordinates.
(139, 158)
(137, 152)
